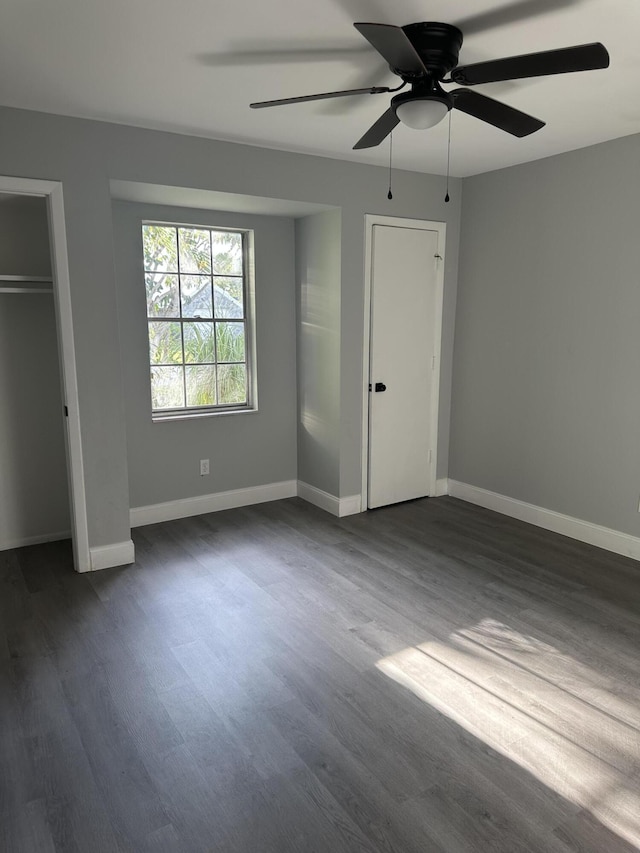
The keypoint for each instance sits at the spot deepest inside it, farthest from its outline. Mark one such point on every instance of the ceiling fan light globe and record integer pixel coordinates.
(422, 112)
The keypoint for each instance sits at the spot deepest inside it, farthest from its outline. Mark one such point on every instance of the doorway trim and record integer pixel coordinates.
(425, 225)
(52, 192)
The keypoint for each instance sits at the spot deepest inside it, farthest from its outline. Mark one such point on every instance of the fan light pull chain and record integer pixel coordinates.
(390, 194)
(446, 198)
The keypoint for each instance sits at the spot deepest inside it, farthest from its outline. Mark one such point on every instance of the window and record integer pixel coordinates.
(199, 335)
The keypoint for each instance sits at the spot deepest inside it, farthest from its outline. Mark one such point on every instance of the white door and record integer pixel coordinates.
(404, 305)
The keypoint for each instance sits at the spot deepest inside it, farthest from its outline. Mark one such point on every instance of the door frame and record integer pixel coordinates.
(425, 225)
(51, 191)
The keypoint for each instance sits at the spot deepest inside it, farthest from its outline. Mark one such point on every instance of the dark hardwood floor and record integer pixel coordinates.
(423, 678)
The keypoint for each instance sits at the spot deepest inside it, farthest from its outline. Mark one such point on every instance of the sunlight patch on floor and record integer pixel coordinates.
(552, 715)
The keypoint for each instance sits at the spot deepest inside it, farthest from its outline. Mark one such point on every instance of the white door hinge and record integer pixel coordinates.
(433, 362)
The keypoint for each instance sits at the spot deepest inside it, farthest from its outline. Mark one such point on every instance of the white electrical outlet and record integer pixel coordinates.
(638, 505)
(204, 467)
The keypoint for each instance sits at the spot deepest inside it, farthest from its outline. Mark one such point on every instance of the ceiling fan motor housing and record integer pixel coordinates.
(438, 46)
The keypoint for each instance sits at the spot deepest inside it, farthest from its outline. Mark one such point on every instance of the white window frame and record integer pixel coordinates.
(248, 266)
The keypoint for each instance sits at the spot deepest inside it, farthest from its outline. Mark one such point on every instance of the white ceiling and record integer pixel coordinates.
(193, 66)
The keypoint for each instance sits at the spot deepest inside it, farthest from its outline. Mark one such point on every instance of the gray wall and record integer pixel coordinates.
(244, 450)
(34, 499)
(318, 270)
(546, 406)
(85, 155)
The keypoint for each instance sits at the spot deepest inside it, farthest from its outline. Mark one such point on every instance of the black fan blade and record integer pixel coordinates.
(372, 90)
(394, 46)
(378, 131)
(496, 113)
(584, 57)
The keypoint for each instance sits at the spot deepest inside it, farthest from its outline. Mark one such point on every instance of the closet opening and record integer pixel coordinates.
(42, 483)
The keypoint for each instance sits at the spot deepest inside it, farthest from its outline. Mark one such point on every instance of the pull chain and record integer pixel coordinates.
(390, 194)
(446, 198)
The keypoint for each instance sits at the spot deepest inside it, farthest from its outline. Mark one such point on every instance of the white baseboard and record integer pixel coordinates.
(574, 528)
(108, 556)
(339, 507)
(186, 507)
(442, 488)
(351, 505)
(34, 540)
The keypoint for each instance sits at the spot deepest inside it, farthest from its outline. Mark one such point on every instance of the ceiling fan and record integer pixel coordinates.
(423, 54)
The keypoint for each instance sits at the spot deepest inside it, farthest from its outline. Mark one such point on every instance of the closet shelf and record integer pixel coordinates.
(34, 278)
(25, 280)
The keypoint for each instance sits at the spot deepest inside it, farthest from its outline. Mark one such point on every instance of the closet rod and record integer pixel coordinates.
(26, 290)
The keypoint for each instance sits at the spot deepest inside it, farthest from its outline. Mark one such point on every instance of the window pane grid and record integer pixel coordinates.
(225, 341)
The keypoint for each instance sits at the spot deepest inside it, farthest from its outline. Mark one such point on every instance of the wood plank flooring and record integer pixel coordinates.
(426, 678)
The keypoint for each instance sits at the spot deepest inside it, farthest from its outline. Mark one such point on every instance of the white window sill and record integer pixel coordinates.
(190, 416)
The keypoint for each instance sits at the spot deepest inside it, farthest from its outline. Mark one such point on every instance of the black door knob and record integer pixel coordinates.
(380, 386)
